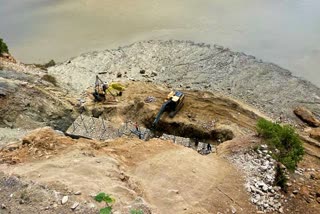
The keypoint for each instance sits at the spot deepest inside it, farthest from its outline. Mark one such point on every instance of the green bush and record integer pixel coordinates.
(286, 144)
(107, 199)
(3, 47)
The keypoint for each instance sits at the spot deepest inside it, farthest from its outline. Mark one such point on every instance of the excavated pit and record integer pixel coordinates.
(191, 131)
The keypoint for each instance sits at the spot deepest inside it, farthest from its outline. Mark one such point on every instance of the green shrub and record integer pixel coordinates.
(286, 144)
(49, 78)
(3, 47)
(107, 199)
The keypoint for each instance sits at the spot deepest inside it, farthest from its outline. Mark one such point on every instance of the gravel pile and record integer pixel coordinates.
(259, 168)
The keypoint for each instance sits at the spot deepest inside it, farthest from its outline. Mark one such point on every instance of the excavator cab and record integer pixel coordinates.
(173, 104)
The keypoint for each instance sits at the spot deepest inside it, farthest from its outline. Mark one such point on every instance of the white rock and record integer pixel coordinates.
(253, 200)
(264, 146)
(263, 168)
(295, 192)
(233, 210)
(64, 200)
(75, 205)
(265, 188)
(281, 210)
(91, 205)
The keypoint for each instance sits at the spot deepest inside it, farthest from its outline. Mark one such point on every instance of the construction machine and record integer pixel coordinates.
(172, 104)
(102, 88)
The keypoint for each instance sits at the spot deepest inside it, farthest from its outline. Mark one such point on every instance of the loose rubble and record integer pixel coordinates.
(259, 168)
(75, 205)
(150, 99)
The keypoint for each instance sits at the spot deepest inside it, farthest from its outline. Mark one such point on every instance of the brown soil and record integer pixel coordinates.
(155, 176)
(169, 177)
(205, 114)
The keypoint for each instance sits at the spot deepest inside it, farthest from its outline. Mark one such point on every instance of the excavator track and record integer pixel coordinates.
(173, 113)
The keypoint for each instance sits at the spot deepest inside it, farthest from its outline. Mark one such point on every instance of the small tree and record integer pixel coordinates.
(3, 47)
(284, 141)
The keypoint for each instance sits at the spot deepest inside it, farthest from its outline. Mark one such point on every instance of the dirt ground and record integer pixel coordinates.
(204, 113)
(156, 176)
(168, 177)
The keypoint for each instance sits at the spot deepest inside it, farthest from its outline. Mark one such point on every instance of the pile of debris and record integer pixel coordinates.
(42, 142)
(259, 168)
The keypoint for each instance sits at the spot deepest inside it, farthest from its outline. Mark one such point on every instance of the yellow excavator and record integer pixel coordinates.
(101, 89)
(173, 104)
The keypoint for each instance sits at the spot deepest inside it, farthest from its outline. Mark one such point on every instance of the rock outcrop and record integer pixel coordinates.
(307, 116)
(27, 101)
(315, 133)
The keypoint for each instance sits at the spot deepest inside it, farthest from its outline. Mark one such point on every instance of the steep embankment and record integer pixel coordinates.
(30, 99)
(196, 66)
(156, 176)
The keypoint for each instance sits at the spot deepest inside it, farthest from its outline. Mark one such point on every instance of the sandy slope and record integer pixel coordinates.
(170, 178)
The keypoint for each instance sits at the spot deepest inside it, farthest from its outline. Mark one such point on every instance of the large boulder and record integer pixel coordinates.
(7, 57)
(315, 134)
(307, 116)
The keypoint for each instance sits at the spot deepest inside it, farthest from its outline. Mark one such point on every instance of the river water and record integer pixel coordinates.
(285, 32)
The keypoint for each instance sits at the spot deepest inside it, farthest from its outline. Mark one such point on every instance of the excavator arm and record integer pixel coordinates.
(173, 104)
(161, 111)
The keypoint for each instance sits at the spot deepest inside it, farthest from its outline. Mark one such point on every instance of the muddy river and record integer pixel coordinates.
(286, 32)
